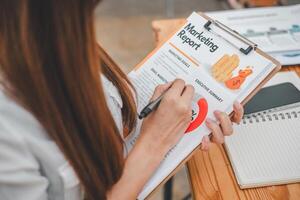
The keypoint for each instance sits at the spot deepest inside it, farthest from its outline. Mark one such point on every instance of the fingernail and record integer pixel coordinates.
(237, 104)
(208, 120)
(206, 138)
(202, 146)
(217, 113)
(235, 122)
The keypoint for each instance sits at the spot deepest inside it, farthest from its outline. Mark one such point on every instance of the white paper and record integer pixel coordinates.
(276, 30)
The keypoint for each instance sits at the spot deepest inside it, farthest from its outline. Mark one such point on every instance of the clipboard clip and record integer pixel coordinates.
(246, 51)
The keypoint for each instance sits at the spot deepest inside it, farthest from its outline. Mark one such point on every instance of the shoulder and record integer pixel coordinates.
(19, 170)
(31, 164)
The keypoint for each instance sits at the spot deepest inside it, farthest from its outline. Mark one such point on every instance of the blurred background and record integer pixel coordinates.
(124, 26)
(124, 30)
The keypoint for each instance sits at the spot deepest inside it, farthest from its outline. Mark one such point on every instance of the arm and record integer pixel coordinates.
(139, 166)
(160, 131)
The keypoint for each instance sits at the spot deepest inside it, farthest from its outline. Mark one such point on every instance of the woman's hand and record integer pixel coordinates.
(224, 127)
(164, 127)
(160, 131)
(160, 120)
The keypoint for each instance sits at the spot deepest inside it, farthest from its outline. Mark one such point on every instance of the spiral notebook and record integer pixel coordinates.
(265, 149)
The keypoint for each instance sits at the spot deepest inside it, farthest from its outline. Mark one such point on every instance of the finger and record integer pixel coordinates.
(238, 112)
(225, 122)
(159, 90)
(217, 135)
(205, 143)
(176, 88)
(188, 93)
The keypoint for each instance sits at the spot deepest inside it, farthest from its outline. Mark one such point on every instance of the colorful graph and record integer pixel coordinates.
(200, 108)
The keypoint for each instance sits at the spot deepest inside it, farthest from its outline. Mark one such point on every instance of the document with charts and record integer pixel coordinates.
(212, 61)
(275, 29)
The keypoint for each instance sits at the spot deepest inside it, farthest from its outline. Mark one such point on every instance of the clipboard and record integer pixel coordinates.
(210, 26)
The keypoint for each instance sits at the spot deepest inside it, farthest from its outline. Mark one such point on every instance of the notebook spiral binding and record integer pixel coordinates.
(265, 116)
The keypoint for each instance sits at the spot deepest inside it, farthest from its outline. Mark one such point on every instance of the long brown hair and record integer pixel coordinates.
(51, 64)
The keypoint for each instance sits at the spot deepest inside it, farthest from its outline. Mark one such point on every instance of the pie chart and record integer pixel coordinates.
(200, 108)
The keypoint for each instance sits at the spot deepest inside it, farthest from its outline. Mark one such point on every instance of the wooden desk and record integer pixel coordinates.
(210, 173)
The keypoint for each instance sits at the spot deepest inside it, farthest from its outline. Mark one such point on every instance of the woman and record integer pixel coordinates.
(61, 124)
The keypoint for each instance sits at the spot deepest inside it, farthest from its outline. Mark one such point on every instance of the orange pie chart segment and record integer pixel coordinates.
(202, 108)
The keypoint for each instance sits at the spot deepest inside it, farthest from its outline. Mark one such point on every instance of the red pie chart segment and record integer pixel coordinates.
(203, 108)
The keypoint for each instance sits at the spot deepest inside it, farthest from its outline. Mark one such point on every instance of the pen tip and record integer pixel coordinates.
(142, 115)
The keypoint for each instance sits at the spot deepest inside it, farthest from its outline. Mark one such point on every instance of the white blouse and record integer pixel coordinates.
(31, 165)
